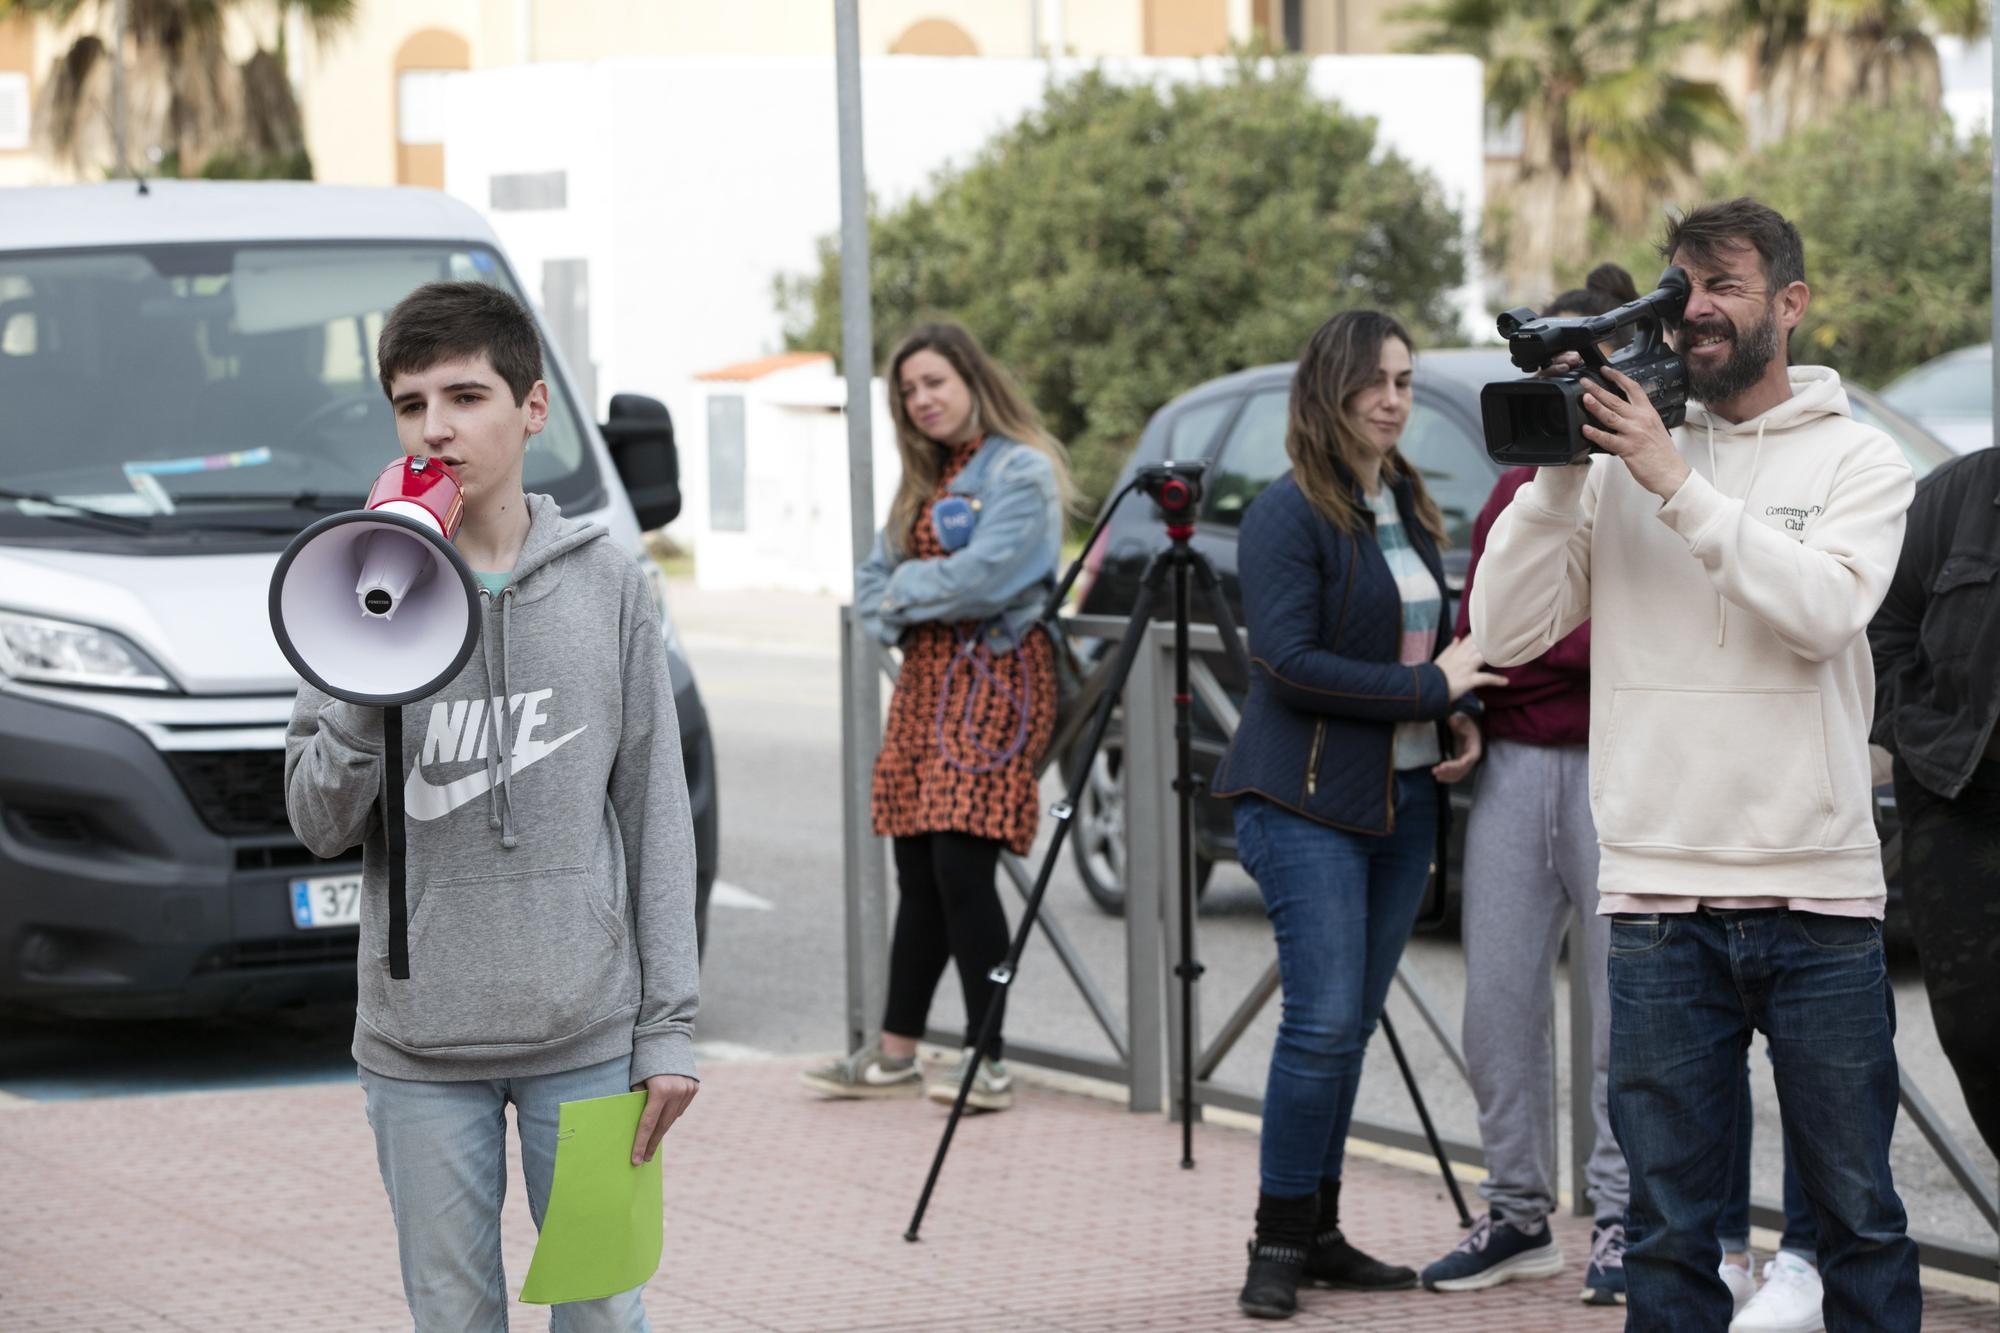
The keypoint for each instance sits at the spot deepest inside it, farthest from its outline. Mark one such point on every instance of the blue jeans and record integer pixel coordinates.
(1801, 1235)
(442, 1148)
(1341, 905)
(1686, 991)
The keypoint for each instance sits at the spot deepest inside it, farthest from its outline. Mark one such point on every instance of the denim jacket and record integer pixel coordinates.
(1324, 617)
(1001, 577)
(1936, 638)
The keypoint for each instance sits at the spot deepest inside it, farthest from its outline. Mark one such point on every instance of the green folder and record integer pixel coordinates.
(601, 1234)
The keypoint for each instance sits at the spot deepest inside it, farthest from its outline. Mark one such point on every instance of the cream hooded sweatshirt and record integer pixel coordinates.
(1731, 684)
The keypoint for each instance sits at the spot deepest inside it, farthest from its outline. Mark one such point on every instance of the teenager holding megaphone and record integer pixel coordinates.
(547, 846)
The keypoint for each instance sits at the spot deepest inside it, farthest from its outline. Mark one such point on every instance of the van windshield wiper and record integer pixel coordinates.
(79, 513)
(325, 504)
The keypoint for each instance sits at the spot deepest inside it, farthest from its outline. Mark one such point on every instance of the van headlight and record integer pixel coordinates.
(59, 652)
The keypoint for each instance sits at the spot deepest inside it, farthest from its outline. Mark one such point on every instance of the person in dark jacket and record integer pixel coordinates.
(1347, 731)
(1937, 670)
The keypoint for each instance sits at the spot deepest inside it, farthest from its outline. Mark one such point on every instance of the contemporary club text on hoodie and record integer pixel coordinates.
(550, 852)
(1731, 683)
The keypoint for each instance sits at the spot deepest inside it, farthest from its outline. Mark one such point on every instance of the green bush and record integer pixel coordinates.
(1125, 242)
(1896, 217)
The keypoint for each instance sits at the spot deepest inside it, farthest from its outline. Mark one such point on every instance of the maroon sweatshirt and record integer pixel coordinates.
(1546, 701)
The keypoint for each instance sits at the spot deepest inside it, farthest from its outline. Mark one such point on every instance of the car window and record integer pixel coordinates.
(1453, 465)
(1958, 385)
(1191, 432)
(1924, 452)
(1252, 457)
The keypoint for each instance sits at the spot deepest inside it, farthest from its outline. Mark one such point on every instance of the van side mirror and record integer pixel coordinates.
(640, 435)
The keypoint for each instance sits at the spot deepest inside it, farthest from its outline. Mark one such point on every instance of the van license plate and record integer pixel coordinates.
(331, 900)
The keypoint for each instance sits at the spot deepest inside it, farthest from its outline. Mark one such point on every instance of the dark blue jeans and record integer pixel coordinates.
(1686, 991)
(1341, 905)
(1801, 1236)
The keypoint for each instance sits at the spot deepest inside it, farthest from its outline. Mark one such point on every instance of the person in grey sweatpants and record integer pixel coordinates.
(1530, 859)
(1530, 870)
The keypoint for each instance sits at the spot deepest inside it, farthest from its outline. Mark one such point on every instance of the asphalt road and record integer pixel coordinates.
(774, 976)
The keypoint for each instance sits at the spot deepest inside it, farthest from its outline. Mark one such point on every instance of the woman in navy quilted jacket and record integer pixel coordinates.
(1357, 712)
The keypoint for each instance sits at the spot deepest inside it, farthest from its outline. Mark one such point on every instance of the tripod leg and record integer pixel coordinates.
(1424, 1115)
(1003, 975)
(1219, 613)
(1187, 969)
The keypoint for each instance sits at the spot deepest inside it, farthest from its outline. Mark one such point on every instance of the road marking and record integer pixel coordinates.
(724, 894)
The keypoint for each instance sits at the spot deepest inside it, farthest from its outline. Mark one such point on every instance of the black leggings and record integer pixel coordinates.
(949, 909)
(1951, 886)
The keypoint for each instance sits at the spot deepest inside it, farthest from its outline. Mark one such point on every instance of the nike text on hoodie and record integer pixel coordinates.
(1731, 684)
(550, 851)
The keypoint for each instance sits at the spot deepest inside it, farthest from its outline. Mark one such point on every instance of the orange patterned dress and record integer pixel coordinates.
(918, 787)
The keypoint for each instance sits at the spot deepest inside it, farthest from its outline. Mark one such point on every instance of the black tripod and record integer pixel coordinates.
(1176, 489)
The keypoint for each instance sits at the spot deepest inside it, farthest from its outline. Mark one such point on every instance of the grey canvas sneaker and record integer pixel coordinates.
(992, 1086)
(865, 1074)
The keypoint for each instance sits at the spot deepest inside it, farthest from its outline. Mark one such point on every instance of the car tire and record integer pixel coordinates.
(1097, 846)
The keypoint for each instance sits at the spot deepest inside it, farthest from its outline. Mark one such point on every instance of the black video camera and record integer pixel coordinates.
(1539, 422)
(1174, 487)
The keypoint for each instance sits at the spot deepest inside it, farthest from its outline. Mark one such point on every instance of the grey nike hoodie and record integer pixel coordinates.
(550, 853)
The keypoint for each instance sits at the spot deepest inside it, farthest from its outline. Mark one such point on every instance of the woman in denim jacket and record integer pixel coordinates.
(957, 579)
(1348, 730)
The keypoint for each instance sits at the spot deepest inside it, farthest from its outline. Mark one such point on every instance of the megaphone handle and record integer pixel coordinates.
(392, 820)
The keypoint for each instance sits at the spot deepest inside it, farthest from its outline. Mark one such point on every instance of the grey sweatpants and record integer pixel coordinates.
(1530, 859)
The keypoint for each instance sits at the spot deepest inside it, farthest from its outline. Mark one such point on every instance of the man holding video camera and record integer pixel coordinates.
(1729, 569)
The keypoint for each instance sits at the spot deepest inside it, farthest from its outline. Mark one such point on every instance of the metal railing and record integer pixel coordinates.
(1146, 1048)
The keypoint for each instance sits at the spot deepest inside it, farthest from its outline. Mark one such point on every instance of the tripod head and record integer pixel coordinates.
(1176, 489)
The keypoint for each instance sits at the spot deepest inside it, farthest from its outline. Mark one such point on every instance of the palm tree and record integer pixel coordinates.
(1608, 126)
(1811, 58)
(189, 109)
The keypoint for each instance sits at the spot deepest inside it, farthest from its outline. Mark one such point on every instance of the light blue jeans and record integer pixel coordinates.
(443, 1152)
(1341, 905)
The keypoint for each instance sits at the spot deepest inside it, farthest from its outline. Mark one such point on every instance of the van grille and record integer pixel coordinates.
(304, 949)
(236, 792)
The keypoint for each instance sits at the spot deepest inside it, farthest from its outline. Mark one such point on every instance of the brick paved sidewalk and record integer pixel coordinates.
(262, 1210)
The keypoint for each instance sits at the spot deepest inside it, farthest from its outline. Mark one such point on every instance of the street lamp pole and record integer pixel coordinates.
(867, 890)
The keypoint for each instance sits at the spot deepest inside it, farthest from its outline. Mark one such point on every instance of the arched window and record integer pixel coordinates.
(425, 63)
(934, 37)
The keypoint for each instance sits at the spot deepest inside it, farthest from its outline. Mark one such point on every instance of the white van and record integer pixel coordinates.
(187, 379)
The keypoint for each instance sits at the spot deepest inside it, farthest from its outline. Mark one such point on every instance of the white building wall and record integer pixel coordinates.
(691, 184)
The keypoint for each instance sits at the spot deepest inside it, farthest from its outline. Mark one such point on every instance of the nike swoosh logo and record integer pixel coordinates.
(881, 1077)
(423, 799)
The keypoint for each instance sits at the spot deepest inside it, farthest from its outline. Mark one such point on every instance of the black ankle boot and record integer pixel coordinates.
(1332, 1262)
(1278, 1256)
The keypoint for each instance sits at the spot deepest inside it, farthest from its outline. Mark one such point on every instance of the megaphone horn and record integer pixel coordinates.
(375, 605)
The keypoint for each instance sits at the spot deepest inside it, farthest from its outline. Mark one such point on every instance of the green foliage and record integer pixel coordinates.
(1896, 217)
(1124, 243)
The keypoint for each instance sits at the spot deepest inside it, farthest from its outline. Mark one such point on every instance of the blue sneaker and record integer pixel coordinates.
(1496, 1251)
(1604, 1280)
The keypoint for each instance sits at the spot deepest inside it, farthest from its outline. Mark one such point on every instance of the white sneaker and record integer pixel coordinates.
(1788, 1302)
(992, 1085)
(1742, 1283)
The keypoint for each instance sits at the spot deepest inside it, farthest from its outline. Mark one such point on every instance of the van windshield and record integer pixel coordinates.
(178, 389)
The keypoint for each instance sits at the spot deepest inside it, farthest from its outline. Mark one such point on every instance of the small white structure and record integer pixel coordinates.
(764, 474)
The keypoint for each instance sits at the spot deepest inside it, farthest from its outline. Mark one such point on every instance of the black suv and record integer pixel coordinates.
(1237, 424)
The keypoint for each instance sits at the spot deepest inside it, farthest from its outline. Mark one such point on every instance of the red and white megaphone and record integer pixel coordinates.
(375, 605)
